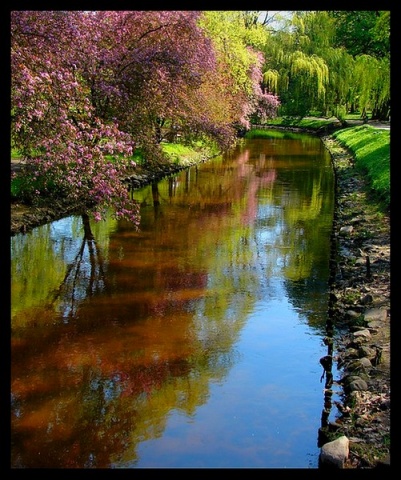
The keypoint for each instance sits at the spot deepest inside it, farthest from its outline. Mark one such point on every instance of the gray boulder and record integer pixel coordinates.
(334, 454)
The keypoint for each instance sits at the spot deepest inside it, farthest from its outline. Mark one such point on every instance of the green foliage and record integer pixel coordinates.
(270, 80)
(340, 112)
(331, 62)
(365, 32)
(24, 186)
(16, 187)
(231, 39)
(373, 81)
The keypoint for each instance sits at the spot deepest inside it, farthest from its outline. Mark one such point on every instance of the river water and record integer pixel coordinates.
(191, 343)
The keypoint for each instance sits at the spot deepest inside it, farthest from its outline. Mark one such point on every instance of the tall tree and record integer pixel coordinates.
(314, 67)
(362, 32)
(237, 40)
(159, 61)
(366, 36)
(294, 69)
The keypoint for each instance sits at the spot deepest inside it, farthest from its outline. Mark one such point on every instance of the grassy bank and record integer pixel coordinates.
(370, 148)
(308, 123)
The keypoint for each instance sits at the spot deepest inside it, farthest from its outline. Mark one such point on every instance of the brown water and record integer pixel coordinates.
(194, 342)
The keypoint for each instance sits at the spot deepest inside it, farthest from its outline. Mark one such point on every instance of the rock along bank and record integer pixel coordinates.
(359, 314)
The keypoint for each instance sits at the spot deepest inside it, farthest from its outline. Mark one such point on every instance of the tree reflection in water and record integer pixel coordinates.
(84, 275)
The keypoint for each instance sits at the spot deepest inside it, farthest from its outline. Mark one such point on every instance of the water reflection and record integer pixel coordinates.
(194, 341)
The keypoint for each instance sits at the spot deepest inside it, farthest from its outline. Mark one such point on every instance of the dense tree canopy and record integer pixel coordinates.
(315, 64)
(90, 87)
(240, 66)
(56, 123)
(365, 32)
(365, 35)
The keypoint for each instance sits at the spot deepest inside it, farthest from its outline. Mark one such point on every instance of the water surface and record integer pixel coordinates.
(191, 343)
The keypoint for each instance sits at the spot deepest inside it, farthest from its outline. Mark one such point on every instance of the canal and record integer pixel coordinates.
(193, 342)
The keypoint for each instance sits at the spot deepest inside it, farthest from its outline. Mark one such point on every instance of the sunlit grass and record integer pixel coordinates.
(371, 149)
(311, 123)
(15, 154)
(268, 133)
(181, 154)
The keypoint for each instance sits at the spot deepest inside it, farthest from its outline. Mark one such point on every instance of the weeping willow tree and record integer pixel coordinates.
(342, 93)
(301, 82)
(312, 71)
(372, 81)
(270, 81)
(294, 70)
(365, 35)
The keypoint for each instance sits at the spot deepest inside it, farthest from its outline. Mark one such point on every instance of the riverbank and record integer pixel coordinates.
(360, 313)
(26, 217)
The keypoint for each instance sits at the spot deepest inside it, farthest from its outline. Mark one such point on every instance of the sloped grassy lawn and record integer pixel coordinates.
(371, 149)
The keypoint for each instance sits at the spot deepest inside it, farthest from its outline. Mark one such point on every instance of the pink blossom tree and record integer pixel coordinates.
(159, 62)
(55, 123)
(89, 87)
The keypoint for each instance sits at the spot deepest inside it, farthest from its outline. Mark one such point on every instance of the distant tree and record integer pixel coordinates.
(294, 72)
(362, 32)
(366, 36)
(314, 67)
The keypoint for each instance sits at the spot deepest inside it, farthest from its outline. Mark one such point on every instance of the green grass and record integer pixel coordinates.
(354, 116)
(371, 148)
(182, 154)
(23, 188)
(268, 133)
(15, 154)
(311, 123)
